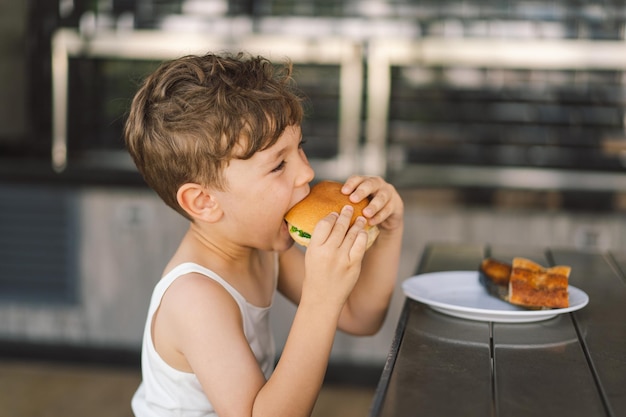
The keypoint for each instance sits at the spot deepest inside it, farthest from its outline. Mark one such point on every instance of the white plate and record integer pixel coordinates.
(460, 294)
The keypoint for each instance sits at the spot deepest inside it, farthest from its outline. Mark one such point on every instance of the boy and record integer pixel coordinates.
(218, 138)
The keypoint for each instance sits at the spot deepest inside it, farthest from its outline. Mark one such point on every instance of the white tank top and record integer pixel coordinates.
(165, 391)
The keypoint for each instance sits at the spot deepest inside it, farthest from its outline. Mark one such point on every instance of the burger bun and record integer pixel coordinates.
(325, 197)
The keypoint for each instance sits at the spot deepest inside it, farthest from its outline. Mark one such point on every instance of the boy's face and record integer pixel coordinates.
(260, 190)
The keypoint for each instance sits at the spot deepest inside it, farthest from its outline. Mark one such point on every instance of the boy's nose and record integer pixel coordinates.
(307, 173)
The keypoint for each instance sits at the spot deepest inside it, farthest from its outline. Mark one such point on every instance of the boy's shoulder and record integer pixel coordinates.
(191, 287)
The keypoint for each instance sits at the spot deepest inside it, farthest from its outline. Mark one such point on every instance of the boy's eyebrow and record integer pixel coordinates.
(276, 154)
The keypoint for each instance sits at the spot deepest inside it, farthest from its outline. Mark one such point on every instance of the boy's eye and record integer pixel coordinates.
(279, 167)
(302, 142)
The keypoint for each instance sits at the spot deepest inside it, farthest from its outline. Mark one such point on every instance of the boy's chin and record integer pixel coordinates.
(285, 239)
(285, 243)
(286, 246)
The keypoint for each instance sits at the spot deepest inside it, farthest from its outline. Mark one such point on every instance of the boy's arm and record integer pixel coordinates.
(227, 369)
(331, 268)
(217, 350)
(366, 307)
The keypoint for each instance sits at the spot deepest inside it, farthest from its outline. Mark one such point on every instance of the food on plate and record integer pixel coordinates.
(526, 283)
(325, 197)
(494, 275)
(532, 285)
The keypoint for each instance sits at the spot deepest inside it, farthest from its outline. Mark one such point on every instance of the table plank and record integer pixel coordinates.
(574, 364)
(451, 257)
(540, 368)
(620, 260)
(506, 253)
(602, 323)
(442, 368)
(438, 357)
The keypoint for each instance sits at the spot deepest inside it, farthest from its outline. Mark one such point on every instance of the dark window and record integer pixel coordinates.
(38, 228)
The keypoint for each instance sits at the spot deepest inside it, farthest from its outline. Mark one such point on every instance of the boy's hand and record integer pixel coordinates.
(333, 258)
(385, 209)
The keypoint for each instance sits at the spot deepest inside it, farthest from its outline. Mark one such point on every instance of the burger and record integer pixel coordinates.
(325, 197)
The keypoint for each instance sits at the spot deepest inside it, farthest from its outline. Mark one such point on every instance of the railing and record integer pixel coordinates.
(160, 45)
(366, 84)
(391, 137)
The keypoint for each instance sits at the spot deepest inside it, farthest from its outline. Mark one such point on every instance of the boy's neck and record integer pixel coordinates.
(249, 270)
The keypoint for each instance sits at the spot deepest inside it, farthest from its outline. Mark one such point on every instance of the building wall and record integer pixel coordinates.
(125, 237)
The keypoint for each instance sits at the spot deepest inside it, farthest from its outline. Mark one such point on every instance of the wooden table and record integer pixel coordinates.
(571, 365)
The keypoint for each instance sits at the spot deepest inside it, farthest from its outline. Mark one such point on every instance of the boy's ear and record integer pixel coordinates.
(198, 202)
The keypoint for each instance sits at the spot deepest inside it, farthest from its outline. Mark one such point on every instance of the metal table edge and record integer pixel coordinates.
(383, 383)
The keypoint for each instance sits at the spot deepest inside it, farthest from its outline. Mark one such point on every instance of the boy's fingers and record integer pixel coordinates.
(358, 248)
(334, 227)
(342, 225)
(324, 227)
(379, 200)
(353, 232)
(357, 240)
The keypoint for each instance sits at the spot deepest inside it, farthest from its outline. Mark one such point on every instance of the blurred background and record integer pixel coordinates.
(500, 121)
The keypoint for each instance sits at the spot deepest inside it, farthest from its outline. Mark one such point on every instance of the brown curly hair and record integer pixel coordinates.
(196, 113)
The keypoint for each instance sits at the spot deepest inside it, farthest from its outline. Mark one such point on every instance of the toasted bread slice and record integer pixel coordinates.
(533, 286)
